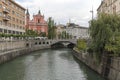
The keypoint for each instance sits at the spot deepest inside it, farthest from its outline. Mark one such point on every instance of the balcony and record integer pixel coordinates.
(6, 18)
(5, 10)
(4, 1)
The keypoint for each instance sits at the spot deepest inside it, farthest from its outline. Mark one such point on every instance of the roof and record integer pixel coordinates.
(100, 5)
(17, 4)
(83, 27)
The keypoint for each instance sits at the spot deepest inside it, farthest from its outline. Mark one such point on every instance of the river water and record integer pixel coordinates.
(47, 65)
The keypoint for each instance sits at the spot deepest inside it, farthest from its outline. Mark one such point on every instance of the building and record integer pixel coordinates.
(109, 7)
(59, 29)
(77, 31)
(12, 17)
(37, 23)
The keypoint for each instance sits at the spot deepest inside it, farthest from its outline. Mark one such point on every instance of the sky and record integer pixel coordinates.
(63, 11)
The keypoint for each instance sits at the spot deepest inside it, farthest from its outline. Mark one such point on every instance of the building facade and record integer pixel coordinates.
(77, 31)
(12, 17)
(109, 7)
(37, 24)
(59, 29)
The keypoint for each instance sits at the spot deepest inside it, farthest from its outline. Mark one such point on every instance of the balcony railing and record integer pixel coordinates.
(6, 18)
(5, 10)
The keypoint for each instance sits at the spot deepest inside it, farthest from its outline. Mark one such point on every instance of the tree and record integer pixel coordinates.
(113, 45)
(51, 29)
(31, 33)
(104, 33)
(81, 44)
(43, 34)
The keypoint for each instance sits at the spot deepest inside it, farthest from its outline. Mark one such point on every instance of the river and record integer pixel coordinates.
(48, 64)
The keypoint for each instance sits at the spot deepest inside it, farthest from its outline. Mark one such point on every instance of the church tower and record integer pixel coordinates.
(27, 19)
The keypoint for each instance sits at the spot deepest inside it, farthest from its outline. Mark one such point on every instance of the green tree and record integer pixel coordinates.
(31, 33)
(63, 35)
(43, 34)
(81, 44)
(113, 45)
(104, 33)
(51, 29)
(67, 36)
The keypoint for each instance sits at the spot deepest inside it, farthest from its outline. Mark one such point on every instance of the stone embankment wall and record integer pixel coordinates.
(109, 68)
(9, 45)
(114, 73)
(88, 60)
(12, 49)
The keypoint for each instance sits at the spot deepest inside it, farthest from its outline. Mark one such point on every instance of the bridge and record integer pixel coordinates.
(50, 42)
(73, 41)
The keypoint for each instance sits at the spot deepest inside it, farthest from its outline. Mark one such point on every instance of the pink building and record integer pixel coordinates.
(37, 23)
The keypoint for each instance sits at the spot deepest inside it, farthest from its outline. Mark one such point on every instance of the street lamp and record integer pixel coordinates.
(92, 11)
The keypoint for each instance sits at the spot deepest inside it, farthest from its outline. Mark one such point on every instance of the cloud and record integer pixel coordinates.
(63, 10)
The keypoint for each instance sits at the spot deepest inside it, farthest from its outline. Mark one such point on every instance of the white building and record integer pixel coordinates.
(59, 29)
(76, 31)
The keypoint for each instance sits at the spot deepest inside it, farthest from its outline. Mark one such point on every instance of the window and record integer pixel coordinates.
(16, 14)
(0, 30)
(17, 26)
(38, 21)
(20, 21)
(13, 25)
(13, 12)
(0, 22)
(9, 31)
(9, 3)
(13, 19)
(9, 10)
(5, 31)
(0, 13)
(12, 5)
(17, 20)
(13, 32)
(0, 5)
(23, 22)
(9, 17)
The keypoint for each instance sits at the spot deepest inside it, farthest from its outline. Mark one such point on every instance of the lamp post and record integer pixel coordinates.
(92, 11)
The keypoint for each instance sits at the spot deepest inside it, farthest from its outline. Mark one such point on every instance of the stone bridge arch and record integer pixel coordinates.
(48, 42)
(73, 41)
(65, 43)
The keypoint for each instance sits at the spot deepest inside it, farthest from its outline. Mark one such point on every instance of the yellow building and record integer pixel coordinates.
(109, 7)
(12, 17)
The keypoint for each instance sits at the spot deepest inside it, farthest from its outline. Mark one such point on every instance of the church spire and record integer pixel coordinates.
(39, 12)
(27, 13)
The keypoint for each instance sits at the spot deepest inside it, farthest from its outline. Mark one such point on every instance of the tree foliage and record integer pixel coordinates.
(81, 44)
(43, 34)
(64, 35)
(104, 32)
(51, 29)
(113, 45)
(31, 33)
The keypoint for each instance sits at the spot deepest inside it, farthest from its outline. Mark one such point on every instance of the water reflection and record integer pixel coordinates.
(47, 65)
(90, 74)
